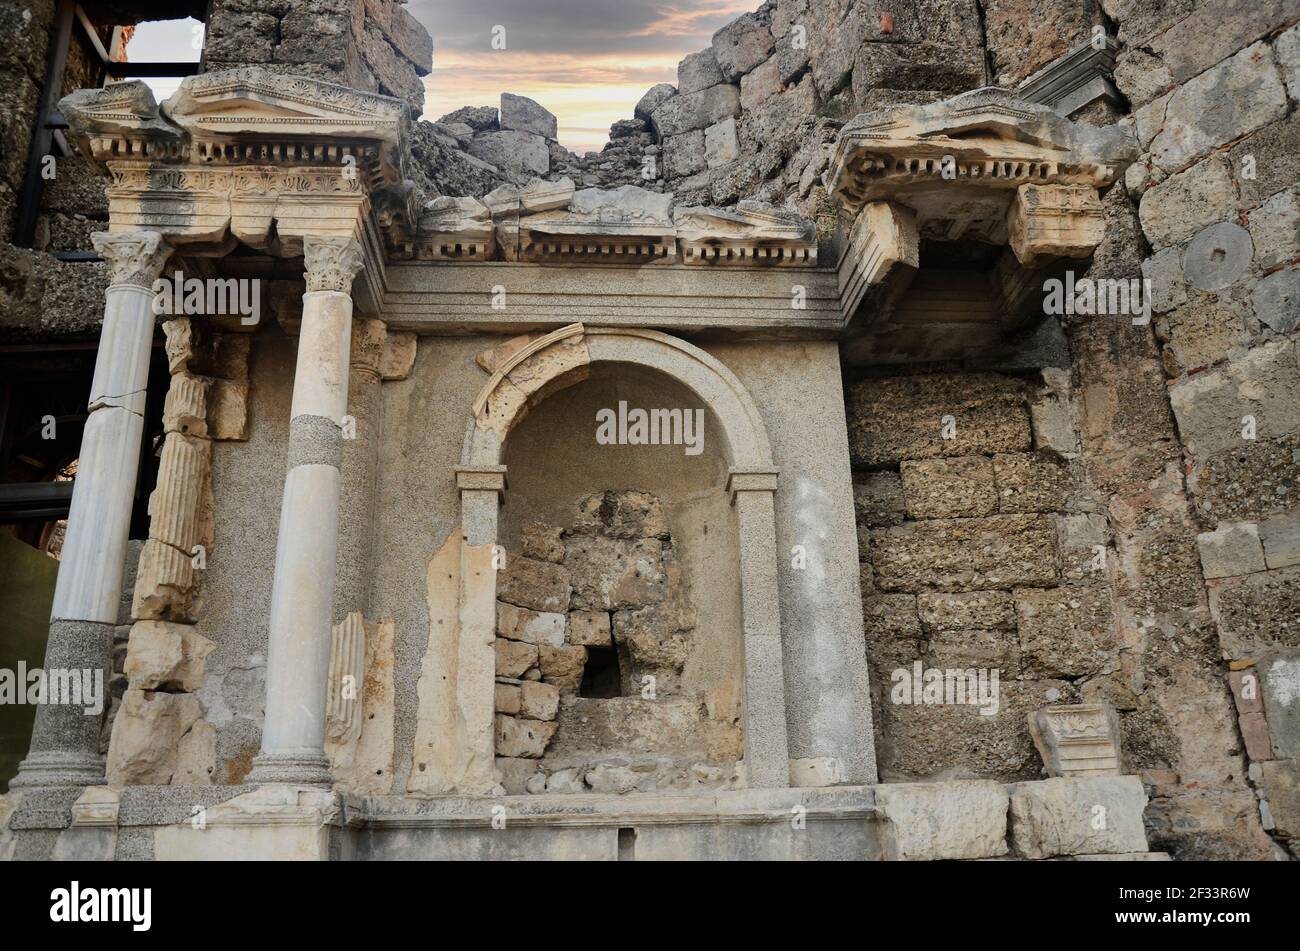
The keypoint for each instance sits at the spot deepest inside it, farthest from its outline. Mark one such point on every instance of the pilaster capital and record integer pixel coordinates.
(481, 479)
(332, 262)
(751, 480)
(135, 258)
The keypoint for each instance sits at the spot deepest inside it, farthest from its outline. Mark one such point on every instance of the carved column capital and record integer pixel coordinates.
(332, 262)
(134, 257)
(368, 338)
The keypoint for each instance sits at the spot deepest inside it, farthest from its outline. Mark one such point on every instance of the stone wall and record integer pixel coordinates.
(1211, 486)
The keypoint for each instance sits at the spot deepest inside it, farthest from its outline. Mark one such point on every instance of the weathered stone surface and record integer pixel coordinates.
(543, 542)
(1040, 482)
(684, 154)
(1281, 781)
(538, 701)
(514, 657)
(1249, 482)
(522, 738)
(532, 627)
(760, 85)
(1065, 632)
(590, 629)
(1263, 384)
(537, 585)
(1281, 678)
(1258, 612)
(162, 655)
(521, 114)
(610, 574)
(1001, 551)
(1180, 206)
(562, 666)
(1077, 816)
(478, 118)
(1280, 536)
(523, 152)
(507, 698)
(653, 99)
(1233, 548)
(698, 71)
(741, 45)
(697, 110)
(721, 144)
(878, 499)
(905, 417)
(1276, 299)
(147, 734)
(963, 611)
(932, 821)
(1237, 96)
(196, 756)
(948, 488)
(1275, 230)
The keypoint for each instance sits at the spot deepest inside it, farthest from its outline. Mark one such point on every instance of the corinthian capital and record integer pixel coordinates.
(134, 257)
(331, 262)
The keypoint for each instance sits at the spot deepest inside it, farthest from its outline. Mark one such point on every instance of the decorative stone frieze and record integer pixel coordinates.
(455, 229)
(751, 233)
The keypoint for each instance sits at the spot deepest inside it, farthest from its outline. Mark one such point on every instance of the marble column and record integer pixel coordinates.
(767, 761)
(302, 592)
(65, 738)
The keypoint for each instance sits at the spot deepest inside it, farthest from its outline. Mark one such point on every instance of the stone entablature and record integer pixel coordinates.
(550, 222)
(248, 156)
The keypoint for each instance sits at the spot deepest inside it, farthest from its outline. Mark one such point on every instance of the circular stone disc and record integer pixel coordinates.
(1217, 256)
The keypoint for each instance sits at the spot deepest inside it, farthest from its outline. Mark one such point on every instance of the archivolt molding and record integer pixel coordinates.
(560, 358)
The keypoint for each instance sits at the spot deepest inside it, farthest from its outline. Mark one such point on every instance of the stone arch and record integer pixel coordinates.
(558, 359)
(527, 375)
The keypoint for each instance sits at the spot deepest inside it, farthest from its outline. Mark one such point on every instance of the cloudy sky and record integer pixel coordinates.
(588, 61)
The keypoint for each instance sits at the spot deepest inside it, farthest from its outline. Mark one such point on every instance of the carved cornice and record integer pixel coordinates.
(331, 262)
(985, 140)
(241, 135)
(135, 258)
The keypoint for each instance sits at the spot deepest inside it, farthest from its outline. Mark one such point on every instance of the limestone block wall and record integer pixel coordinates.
(1217, 233)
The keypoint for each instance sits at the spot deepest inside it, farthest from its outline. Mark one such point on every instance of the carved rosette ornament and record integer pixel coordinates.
(135, 258)
(332, 262)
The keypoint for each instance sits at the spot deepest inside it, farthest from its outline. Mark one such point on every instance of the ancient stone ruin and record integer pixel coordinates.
(896, 424)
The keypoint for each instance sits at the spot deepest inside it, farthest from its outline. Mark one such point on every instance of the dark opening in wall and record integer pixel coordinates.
(600, 678)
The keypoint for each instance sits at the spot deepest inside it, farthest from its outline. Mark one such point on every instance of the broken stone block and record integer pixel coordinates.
(589, 629)
(508, 698)
(537, 585)
(878, 499)
(721, 144)
(684, 154)
(162, 655)
(1258, 612)
(1281, 677)
(1077, 739)
(163, 583)
(741, 45)
(524, 115)
(1233, 548)
(622, 515)
(949, 488)
(525, 739)
(696, 110)
(543, 542)
(398, 357)
(185, 407)
(1281, 781)
(1183, 204)
(1078, 816)
(513, 657)
(698, 71)
(146, 736)
(562, 666)
(532, 627)
(952, 820)
(538, 701)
